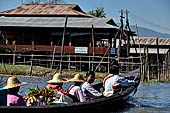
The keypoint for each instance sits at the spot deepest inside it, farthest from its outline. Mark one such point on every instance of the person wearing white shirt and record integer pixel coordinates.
(88, 91)
(114, 79)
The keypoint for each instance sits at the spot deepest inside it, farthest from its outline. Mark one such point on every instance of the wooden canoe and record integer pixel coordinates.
(97, 105)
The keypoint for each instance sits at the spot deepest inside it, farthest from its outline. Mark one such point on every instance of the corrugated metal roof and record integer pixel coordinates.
(57, 22)
(46, 10)
(151, 41)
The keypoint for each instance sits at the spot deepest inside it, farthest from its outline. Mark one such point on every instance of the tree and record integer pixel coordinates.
(98, 12)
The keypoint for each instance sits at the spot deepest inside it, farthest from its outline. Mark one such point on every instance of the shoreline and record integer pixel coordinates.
(38, 71)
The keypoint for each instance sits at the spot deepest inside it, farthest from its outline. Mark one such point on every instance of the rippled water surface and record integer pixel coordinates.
(150, 97)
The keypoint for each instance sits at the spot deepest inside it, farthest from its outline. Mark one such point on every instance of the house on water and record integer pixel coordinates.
(37, 29)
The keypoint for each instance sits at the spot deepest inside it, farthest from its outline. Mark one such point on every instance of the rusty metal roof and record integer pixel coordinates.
(46, 10)
(151, 41)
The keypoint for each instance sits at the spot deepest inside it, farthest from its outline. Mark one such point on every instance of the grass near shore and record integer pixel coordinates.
(156, 81)
(24, 70)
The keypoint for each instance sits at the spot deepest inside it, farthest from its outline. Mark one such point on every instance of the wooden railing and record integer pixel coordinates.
(57, 49)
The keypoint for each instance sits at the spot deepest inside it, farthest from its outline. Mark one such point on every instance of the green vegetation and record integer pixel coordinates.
(24, 70)
(98, 12)
(156, 81)
(45, 94)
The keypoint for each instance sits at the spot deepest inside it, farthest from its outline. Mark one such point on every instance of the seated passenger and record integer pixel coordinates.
(13, 98)
(88, 91)
(56, 84)
(113, 82)
(75, 89)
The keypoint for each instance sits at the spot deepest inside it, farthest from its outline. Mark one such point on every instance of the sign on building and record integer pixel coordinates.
(83, 50)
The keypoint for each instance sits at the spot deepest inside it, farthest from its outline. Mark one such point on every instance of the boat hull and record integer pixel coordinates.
(98, 105)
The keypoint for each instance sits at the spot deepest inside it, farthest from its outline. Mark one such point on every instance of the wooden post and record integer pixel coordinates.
(69, 64)
(33, 45)
(80, 63)
(139, 49)
(31, 65)
(24, 60)
(69, 58)
(89, 54)
(14, 58)
(147, 63)
(158, 66)
(121, 35)
(52, 43)
(168, 65)
(62, 48)
(93, 47)
(53, 57)
(144, 65)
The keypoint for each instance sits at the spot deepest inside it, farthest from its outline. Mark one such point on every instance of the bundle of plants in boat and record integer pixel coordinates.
(39, 97)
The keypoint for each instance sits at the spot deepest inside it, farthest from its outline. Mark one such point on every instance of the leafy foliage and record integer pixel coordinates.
(98, 12)
(46, 94)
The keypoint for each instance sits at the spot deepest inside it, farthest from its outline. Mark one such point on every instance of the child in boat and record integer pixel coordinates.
(56, 84)
(114, 81)
(88, 91)
(13, 98)
(75, 89)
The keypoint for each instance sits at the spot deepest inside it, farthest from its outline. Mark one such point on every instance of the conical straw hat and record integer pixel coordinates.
(77, 78)
(57, 78)
(13, 82)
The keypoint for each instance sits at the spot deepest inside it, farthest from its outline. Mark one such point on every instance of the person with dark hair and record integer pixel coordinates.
(88, 91)
(114, 82)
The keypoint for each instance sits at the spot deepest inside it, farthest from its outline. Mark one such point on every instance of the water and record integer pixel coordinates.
(150, 97)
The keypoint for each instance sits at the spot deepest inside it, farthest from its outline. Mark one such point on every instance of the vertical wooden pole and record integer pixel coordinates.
(147, 63)
(168, 64)
(140, 54)
(144, 65)
(108, 64)
(80, 63)
(93, 46)
(158, 59)
(69, 58)
(52, 62)
(14, 58)
(89, 54)
(62, 48)
(31, 65)
(24, 60)
(121, 34)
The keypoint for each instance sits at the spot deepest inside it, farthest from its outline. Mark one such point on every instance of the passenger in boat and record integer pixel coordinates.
(56, 84)
(13, 98)
(114, 82)
(75, 89)
(88, 91)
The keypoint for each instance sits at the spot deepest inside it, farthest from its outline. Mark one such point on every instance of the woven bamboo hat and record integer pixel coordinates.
(13, 82)
(57, 78)
(77, 78)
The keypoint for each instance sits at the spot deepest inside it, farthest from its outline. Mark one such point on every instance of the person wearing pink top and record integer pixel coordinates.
(13, 98)
(75, 89)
